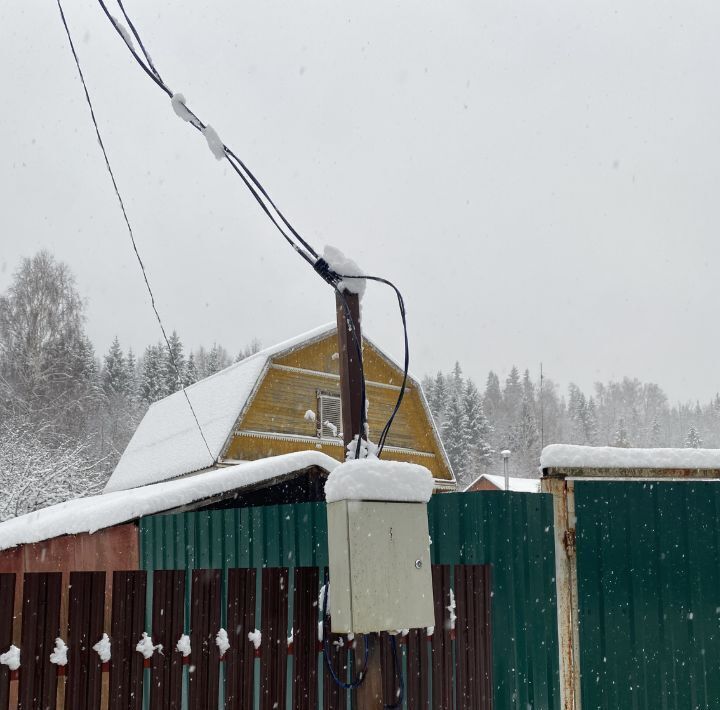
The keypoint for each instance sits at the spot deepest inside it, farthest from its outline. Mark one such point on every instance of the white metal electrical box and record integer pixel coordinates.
(380, 578)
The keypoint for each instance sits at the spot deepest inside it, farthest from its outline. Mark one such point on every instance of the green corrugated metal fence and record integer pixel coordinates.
(511, 531)
(649, 594)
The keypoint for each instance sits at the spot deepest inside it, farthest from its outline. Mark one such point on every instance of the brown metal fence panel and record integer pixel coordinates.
(441, 642)
(274, 628)
(40, 628)
(86, 617)
(7, 606)
(204, 625)
(240, 657)
(417, 682)
(128, 624)
(168, 624)
(305, 640)
(473, 689)
(389, 667)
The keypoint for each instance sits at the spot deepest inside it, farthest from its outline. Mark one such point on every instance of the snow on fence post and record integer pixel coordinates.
(147, 648)
(59, 656)
(256, 638)
(103, 650)
(221, 640)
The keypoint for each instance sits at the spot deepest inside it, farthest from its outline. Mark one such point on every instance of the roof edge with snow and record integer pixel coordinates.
(564, 459)
(88, 515)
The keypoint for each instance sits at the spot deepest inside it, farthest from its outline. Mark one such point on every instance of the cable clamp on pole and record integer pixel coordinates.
(323, 268)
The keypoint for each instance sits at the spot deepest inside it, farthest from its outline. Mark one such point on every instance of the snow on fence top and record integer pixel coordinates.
(567, 456)
(515, 483)
(87, 515)
(167, 442)
(373, 479)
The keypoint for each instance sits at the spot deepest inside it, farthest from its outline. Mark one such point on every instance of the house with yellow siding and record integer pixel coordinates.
(282, 400)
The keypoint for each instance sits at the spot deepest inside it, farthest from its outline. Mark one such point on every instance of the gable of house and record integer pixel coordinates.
(257, 408)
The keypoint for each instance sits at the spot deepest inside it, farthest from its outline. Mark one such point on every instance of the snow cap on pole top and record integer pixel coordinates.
(373, 479)
(345, 266)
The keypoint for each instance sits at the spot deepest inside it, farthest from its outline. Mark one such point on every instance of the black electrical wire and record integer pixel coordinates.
(304, 249)
(130, 230)
(358, 681)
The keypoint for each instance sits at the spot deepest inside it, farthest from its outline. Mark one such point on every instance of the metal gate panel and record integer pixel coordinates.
(648, 557)
(86, 612)
(40, 628)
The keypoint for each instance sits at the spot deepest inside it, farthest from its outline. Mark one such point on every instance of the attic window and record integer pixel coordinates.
(329, 416)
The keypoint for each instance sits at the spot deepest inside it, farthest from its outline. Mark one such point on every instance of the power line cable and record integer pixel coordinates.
(130, 230)
(260, 194)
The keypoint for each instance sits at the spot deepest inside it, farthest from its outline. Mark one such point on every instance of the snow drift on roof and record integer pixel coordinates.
(87, 515)
(373, 479)
(566, 456)
(167, 442)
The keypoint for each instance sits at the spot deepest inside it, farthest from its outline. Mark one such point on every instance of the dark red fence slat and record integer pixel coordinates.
(204, 625)
(274, 628)
(86, 617)
(417, 686)
(389, 667)
(168, 623)
(128, 624)
(441, 644)
(7, 606)
(305, 640)
(473, 678)
(40, 628)
(240, 657)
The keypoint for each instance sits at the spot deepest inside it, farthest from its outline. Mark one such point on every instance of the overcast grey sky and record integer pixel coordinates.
(540, 179)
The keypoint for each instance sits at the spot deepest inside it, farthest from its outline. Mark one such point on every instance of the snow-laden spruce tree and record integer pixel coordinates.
(693, 440)
(621, 435)
(479, 452)
(455, 434)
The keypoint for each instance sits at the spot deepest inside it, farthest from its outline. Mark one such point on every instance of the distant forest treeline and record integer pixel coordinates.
(66, 414)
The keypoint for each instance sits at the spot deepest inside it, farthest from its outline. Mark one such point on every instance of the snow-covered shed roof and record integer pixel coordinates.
(167, 443)
(87, 515)
(515, 483)
(612, 457)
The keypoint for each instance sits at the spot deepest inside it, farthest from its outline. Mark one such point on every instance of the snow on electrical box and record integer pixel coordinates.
(378, 545)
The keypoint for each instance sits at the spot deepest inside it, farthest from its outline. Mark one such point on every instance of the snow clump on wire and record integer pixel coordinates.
(214, 143)
(181, 110)
(102, 648)
(59, 654)
(11, 658)
(183, 645)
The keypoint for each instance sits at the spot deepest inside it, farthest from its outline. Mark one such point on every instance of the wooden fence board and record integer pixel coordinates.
(274, 628)
(128, 624)
(441, 643)
(85, 628)
(240, 657)
(305, 640)
(168, 624)
(7, 606)
(40, 628)
(417, 685)
(204, 625)
(473, 689)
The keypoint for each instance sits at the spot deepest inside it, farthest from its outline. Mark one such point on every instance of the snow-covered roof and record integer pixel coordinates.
(567, 456)
(515, 483)
(87, 515)
(167, 443)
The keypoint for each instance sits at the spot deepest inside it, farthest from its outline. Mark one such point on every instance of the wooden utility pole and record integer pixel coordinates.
(369, 694)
